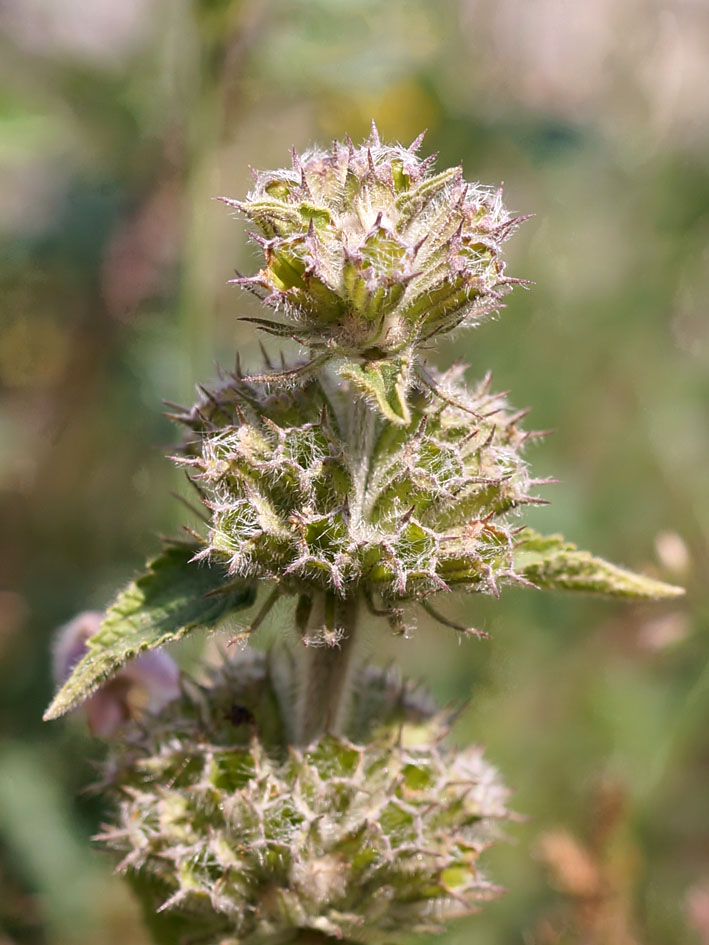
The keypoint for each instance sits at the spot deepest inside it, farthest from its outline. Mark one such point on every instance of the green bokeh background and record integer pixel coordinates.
(119, 121)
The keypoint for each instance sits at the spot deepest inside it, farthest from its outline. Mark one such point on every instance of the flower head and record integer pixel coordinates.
(229, 830)
(297, 496)
(369, 253)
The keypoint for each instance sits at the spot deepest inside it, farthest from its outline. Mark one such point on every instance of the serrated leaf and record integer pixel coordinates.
(385, 384)
(175, 596)
(553, 563)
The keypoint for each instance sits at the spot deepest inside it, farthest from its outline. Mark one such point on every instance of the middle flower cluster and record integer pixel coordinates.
(306, 487)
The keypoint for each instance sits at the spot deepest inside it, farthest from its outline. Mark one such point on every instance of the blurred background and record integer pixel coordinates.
(119, 121)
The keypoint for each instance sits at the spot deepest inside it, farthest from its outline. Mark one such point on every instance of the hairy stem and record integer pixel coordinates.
(328, 632)
(361, 431)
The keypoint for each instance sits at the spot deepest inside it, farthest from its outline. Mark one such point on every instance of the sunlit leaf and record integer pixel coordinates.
(551, 562)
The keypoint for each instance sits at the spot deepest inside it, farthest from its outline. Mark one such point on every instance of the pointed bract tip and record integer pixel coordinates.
(418, 141)
(374, 136)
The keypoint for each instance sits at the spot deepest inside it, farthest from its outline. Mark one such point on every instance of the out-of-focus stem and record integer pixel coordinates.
(326, 668)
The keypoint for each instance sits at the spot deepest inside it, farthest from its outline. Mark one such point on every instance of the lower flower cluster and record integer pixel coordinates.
(225, 829)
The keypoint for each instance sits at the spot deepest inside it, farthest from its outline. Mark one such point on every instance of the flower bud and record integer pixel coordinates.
(368, 253)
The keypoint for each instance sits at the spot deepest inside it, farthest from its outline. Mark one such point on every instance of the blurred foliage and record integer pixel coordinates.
(118, 122)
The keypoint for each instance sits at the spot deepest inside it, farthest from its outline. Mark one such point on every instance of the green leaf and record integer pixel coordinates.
(385, 384)
(175, 596)
(552, 563)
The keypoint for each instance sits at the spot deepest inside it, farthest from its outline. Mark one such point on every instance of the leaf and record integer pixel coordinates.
(175, 596)
(385, 384)
(553, 563)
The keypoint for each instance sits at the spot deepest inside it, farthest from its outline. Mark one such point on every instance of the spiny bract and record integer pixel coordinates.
(298, 495)
(368, 253)
(224, 826)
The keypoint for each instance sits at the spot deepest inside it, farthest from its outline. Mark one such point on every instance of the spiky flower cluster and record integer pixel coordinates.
(223, 826)
(297, 493)
(368, 253)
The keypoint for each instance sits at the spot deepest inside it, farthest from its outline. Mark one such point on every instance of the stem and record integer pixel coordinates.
(329, 636)
(360, 434)
(327, 623)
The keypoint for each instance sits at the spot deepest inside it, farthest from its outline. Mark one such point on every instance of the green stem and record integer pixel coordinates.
(328, 633)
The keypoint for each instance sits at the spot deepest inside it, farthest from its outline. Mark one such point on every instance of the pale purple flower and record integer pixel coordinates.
(145, 684)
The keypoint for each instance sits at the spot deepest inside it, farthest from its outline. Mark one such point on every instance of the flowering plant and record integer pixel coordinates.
(304, 797)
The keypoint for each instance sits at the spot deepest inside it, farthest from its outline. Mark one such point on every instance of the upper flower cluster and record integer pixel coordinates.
(369, 254)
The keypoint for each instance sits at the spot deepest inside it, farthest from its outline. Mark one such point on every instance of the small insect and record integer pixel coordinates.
(240, 715)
